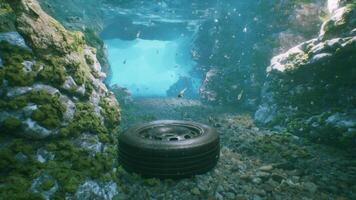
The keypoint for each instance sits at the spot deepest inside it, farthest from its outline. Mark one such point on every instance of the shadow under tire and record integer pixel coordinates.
(169, 149)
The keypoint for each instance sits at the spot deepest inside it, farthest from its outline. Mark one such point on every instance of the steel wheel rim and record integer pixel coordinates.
(170, 132)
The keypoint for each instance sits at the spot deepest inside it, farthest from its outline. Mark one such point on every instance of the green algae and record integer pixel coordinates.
(17, 187)
(7, 17)
(12, 124)
(50, 109)
(71, 166)
(53, 72)
(50, 112)
(17, 174)
(13, 71)
(47, 185)
(5, 8)
(89, 60)
(110, 112)
(78, 74)
(86, 120)
(47, 116)
(78, 42)
(93, 40)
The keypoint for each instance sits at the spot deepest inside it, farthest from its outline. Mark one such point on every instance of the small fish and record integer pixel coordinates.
(124, 62)
(138, 34)
(240, 95)
(181, 93)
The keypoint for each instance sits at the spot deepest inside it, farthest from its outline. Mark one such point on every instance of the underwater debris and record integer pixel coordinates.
(138, 34)
(154, 149)
(240, 95)
(181, 93)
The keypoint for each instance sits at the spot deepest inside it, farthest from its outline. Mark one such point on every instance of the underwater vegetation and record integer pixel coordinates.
(275, 78)
(57, 117)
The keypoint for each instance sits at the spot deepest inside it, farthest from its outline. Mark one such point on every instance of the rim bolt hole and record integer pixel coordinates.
(173, 139)
(187, 137)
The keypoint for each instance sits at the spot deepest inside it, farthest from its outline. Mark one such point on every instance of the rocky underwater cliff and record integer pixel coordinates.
(310, 89)
(58, 120)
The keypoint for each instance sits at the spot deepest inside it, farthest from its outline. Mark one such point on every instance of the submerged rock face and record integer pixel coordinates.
(310, 89)
(54, 108)
(234, 46)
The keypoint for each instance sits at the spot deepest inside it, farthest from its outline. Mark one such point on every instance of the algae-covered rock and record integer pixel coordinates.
(310, 89)
(342, 21)
(41, 31)
(54, 109)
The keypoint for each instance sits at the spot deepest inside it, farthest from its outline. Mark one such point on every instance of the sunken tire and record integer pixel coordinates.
(169, 149)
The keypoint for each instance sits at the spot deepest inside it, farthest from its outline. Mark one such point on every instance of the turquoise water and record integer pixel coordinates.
(146, 67)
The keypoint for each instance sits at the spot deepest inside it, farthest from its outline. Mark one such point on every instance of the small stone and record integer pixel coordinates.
(203, 187)
(259, 192)
(277, 177)
(152, 182)
(255, 129)
(40, 159)
(230, 195)
(266, 168)
(27, 66)
(93, 190)
(44, 156)
(245, 177)
(263, 174)
(256, 197)
(220, 188)
(268, 187)
(69, 83)
(81, 90)
(241, 197)
(271, 184)
(217, 125)
(218, 196)
(257, 180)
(311, 187)
(21, 157)
(195, 191)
